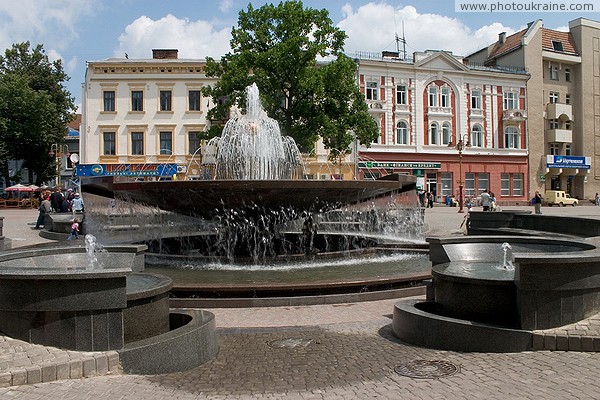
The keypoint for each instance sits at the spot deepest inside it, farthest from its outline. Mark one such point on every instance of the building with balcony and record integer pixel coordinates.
(425, 106)
(563, 105)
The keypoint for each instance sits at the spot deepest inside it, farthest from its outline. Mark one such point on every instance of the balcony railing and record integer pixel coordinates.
(560, 111)
(560, 136)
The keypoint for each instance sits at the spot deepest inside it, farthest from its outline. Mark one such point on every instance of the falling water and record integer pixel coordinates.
(252, 147)
(507, 261)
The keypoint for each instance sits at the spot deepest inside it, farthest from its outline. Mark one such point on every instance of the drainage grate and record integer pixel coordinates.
(290, 343)
(427, 369)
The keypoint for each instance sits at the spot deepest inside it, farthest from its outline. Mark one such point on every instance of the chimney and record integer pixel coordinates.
(501, 38)
(163, 54)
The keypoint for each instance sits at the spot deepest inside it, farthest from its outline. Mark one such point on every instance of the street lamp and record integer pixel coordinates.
(460, 146)
(59, 150)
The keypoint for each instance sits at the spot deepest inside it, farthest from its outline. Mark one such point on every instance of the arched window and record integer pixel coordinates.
(402, 133)
(477, 136)
(434, 133)
(446, 133)
(511, 137)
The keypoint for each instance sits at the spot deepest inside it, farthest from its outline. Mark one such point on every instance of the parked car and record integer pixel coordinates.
(560, 198)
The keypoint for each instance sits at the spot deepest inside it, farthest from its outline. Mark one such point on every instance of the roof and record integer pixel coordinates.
(511, 43)
(75, 123)
(568, 44)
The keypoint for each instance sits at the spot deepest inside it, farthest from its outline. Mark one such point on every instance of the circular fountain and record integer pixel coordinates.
(491, 292)
(256, 212)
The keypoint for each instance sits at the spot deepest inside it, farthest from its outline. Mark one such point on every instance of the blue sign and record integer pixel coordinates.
(126, 169)
(568, 162)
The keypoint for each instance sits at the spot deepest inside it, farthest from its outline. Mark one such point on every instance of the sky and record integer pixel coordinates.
(78, 31)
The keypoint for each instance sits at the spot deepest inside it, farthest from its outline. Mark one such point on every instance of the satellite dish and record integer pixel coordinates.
(74, 158)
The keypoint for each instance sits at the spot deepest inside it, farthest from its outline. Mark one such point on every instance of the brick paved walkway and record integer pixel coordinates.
(349, 353)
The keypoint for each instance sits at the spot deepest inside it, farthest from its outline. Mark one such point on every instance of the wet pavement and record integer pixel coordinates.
(341, 351)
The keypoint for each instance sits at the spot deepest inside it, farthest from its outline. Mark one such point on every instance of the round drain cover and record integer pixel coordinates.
(289, 343)
(427, 369)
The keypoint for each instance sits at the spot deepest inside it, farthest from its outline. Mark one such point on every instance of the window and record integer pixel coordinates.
(109, 143)
(517, 184)
(401, 133)
(477, 136)
(557, 45)
(401, 94)
(476, 99)
(433, 96)
(469, 184)
(504, 184)
(483, 182)
(568, 125)
(446, 133)
(137, 143)
(194, 100)
(433, 134)
(446, 184)
(193, 142)
(554, 72)
(567, 149)
(137, 100)
(109, 100)
(567, 99)
(372, 90)
(166, 142)
(165, 100)
(568, 74)
(511, 137)
(553, 123)
(445, 97)
(554, 149)
(554, 97)
(510, 101)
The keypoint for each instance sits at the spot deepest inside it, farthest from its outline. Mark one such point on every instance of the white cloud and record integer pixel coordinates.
(372, 28)
(226, 5)
(193, 39)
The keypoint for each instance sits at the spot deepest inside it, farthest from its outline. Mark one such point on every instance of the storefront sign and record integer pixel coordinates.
(126, 169)
(400, 165)
(568, 162)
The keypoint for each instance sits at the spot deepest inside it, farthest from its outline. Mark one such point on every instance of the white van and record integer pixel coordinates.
(559, 197)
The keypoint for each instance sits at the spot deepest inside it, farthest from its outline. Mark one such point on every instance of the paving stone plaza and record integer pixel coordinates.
(341, 351)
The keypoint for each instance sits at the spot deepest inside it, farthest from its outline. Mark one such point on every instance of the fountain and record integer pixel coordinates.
(487, 299)
(254, 213)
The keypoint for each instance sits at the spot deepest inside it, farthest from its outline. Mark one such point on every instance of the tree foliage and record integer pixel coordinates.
(35, 108)
(278, 47)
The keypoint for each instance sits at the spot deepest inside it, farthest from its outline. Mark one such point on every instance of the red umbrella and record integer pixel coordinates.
(18, 188)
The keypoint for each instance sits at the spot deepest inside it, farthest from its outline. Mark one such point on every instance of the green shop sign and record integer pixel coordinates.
(401, 165)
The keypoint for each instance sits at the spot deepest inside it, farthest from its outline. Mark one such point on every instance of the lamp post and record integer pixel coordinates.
(460, 146)
(59, 150)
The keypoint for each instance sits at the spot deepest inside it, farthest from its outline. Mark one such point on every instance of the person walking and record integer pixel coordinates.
(597, 199)
(74, 230)
(537, 202)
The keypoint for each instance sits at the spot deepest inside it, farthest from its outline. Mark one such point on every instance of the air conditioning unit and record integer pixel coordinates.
(181, 169)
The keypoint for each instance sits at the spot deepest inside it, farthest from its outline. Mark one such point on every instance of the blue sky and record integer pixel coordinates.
(77, 31)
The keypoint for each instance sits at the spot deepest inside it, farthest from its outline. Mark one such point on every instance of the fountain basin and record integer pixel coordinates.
(478, 305)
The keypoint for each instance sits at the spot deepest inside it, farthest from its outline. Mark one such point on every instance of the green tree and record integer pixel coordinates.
(277, 47)
(35, 108)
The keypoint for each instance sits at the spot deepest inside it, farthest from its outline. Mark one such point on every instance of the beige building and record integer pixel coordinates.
(563, 102)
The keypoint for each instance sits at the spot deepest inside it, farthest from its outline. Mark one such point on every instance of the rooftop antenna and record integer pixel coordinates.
(401, 54)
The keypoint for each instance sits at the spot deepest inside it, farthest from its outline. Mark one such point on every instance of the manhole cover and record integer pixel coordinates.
(290, 343)
(427, 369)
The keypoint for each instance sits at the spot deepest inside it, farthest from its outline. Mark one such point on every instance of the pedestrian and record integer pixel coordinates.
(56, 199)
(430, 197)
(77, 204)
(44, 210)
(597, 199)
(537, 202)
(485, 200)
(74, 230)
